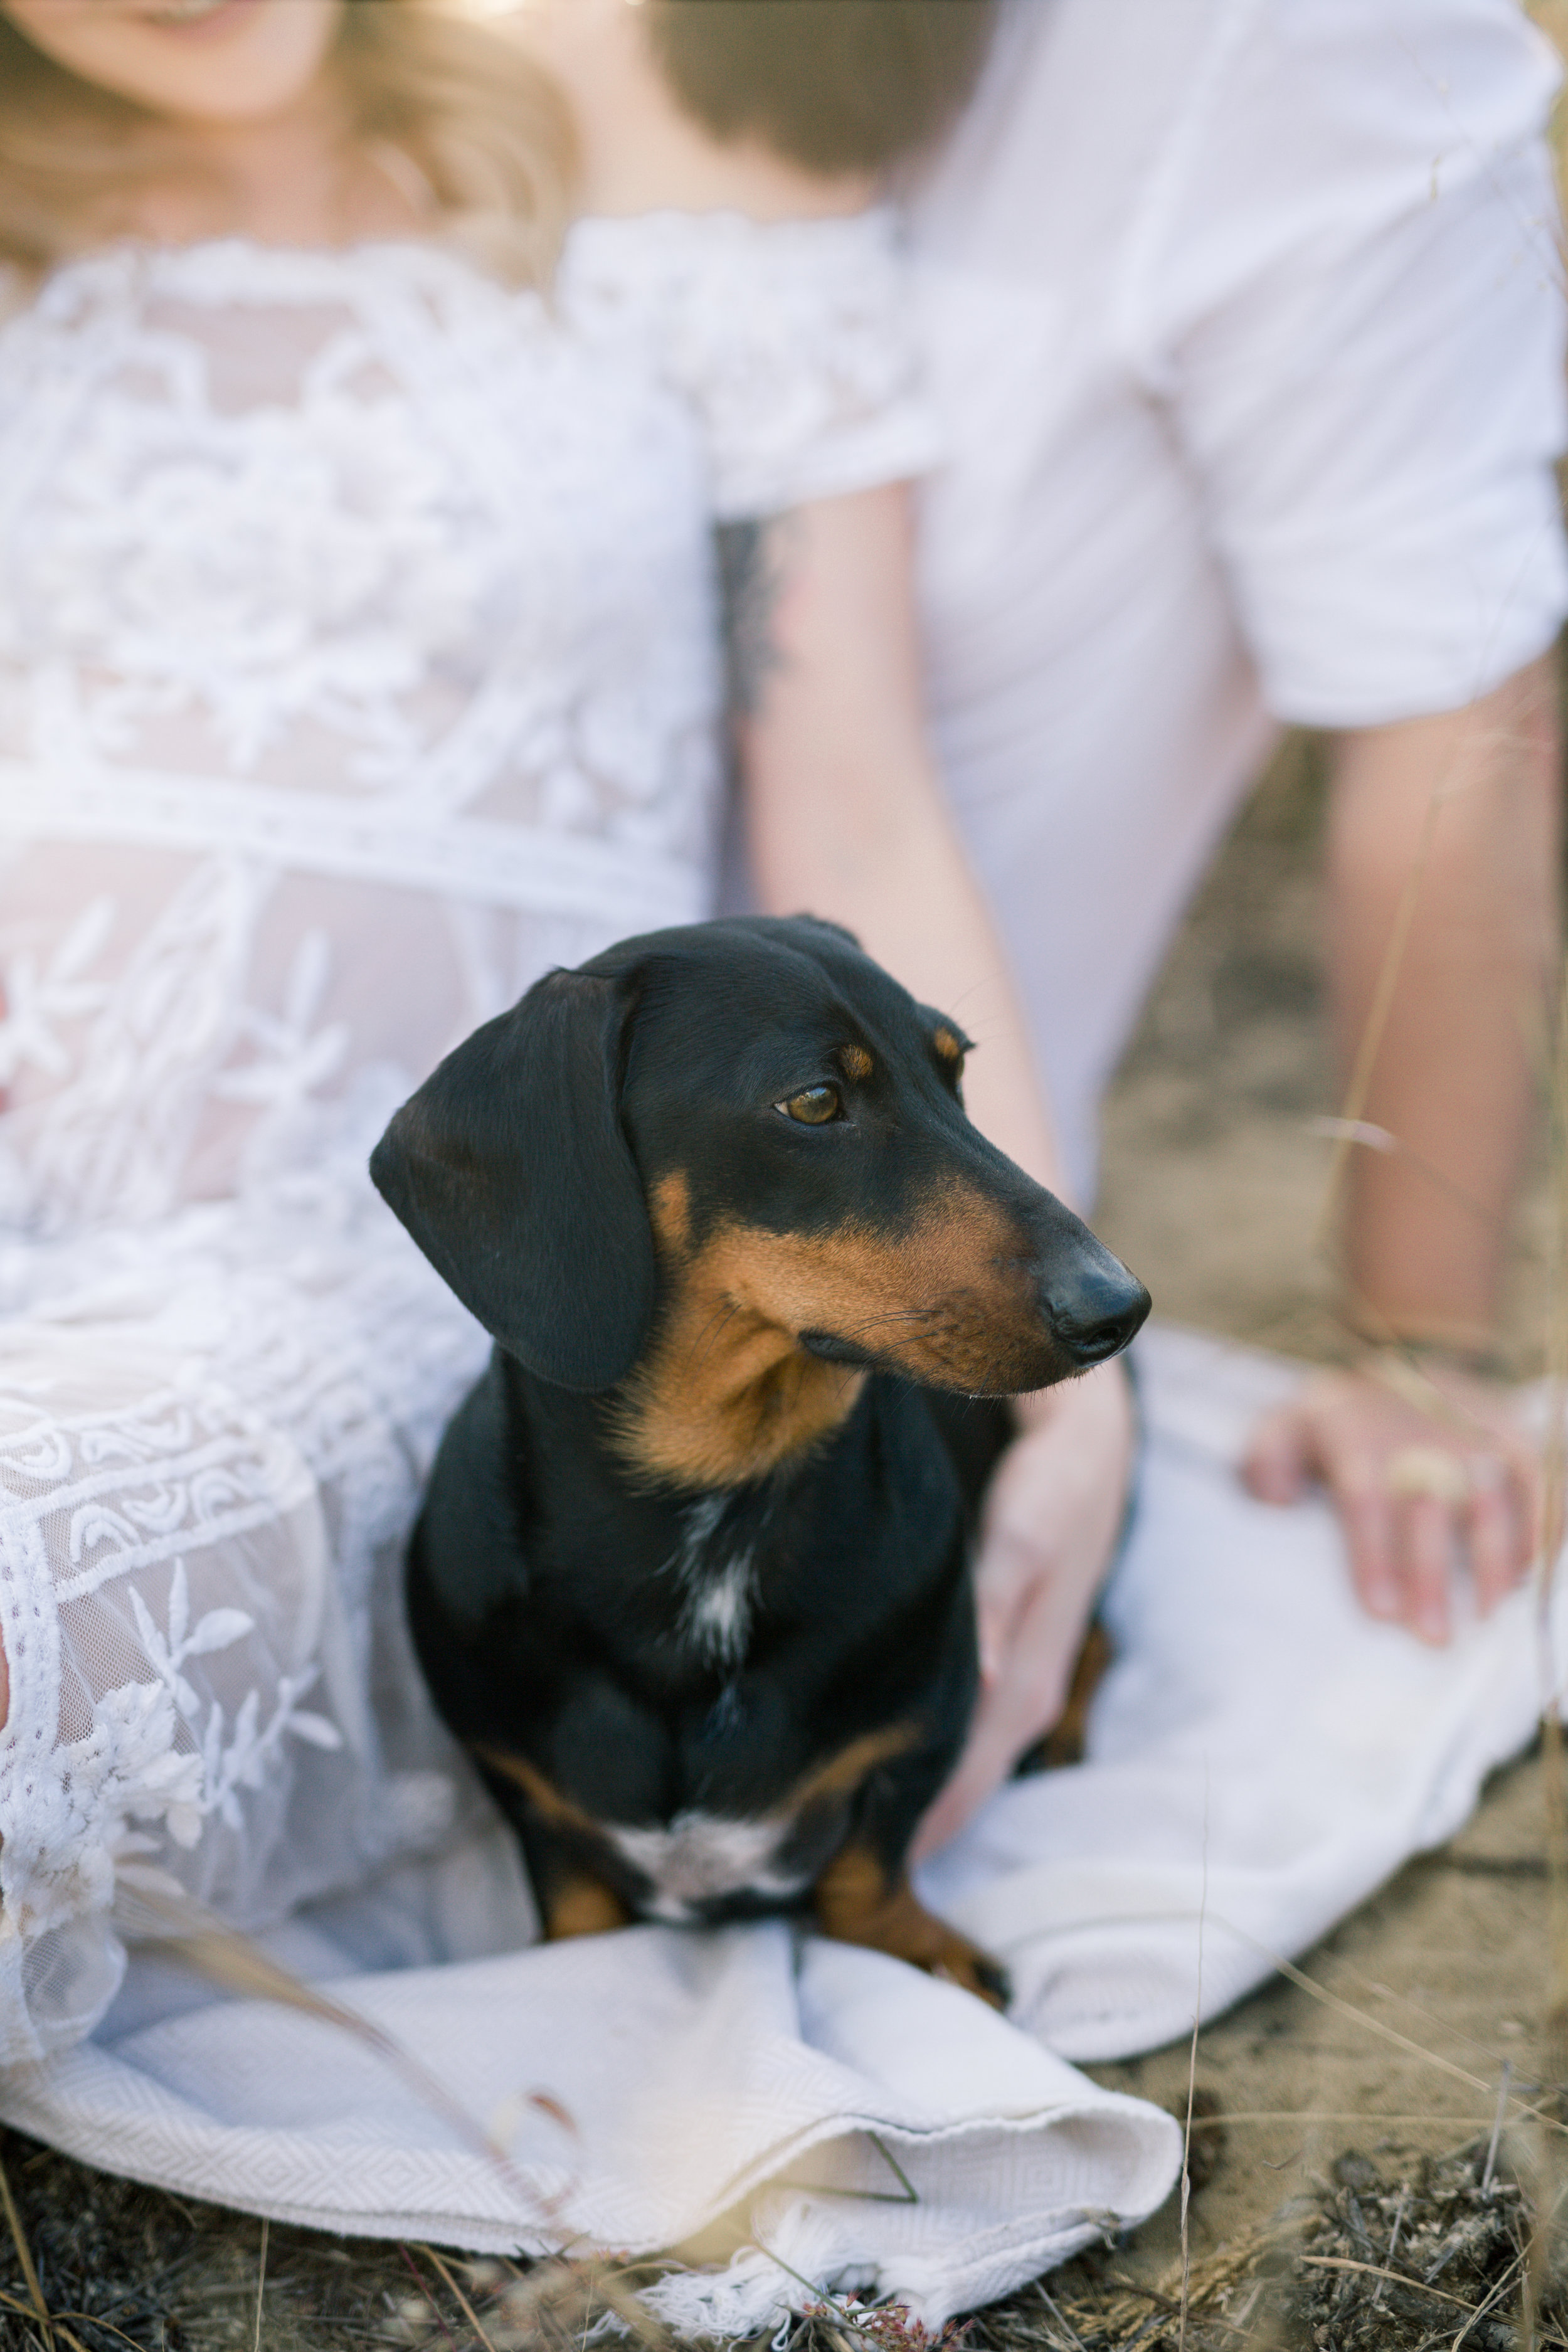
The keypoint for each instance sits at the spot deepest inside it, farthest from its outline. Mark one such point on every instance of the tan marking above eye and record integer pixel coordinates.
(949, 1045)
(669, 1210)
(813, 1107)
(856, 1063)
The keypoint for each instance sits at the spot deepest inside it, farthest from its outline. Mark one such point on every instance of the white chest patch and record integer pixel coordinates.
(700, 1855)
(718, 1590)
(717, 1617)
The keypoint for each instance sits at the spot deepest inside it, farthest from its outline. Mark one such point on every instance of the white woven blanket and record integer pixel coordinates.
(1261, 1756)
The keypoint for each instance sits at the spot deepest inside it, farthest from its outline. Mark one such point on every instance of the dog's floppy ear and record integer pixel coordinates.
(510, 1168)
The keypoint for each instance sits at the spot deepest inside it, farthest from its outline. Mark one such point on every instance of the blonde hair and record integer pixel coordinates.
(481, 129)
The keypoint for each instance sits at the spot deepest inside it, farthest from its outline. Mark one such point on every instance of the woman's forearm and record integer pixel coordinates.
(847, 817)
(1443, 861)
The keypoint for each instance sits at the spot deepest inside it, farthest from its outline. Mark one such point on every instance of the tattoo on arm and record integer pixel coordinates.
(752, 564)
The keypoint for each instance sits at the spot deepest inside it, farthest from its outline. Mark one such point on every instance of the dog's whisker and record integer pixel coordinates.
(708, 1334)
(904, 1315)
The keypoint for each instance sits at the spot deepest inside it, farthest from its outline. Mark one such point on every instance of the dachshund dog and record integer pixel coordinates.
(692, 1580)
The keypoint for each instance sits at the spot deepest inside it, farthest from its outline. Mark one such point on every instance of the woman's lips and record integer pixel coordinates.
(191, 19)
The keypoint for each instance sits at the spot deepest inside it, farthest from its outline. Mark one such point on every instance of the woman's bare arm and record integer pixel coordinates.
(847, 819)
(1443, 865)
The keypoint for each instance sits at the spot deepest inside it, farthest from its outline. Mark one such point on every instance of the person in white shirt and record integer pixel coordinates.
(1245, 320)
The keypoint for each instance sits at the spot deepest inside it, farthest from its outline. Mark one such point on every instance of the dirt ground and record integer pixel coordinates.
(1212, 1188)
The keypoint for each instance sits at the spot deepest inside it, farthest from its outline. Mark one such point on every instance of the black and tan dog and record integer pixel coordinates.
(691, 1579)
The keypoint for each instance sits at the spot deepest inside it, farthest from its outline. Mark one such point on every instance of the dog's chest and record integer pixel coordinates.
(702, 1858)
(712, 1578)
(713, 1570)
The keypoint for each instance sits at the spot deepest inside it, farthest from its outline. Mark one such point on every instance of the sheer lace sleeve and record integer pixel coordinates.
(793, 340)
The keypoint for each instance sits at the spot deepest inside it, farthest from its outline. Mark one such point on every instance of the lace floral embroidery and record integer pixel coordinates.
(357, 661)
(67, 1819)
(241, 1760)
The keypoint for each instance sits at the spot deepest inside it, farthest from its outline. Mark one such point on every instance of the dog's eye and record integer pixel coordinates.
(814, 1105)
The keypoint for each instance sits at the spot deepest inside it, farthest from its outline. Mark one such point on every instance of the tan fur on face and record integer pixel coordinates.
(948, 1045)
(725, 1393)
(856, 1063)
(669, 1213)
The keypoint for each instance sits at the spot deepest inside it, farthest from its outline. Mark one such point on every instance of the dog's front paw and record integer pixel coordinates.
(859, 1901)
(963, 1963)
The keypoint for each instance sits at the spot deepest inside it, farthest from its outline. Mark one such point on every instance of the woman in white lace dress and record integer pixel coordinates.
(358, 661)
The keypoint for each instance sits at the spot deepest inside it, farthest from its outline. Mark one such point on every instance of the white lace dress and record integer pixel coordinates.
(358, 661)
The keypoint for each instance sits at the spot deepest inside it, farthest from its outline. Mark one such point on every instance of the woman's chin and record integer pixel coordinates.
(211, 62)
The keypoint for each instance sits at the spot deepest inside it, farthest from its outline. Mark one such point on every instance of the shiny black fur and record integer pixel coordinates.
(550, 1584)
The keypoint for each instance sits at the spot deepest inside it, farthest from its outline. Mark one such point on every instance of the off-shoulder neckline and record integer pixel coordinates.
(667, 219)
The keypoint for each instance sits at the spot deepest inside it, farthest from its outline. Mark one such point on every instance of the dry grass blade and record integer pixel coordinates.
(1481, 2309)
(1379, 2271)
(260, 2282)
(1503, 2091)
(1421, 2115)
(1363, 2017)
(418, 2275)
(1113, 2313)
(556, 2301)
(1554, 1784)
(55, 2321)
(612, 2289)
(90, 2320)
(1075, 2341)
(469, 2314)
(1191, 2083)
(24, 2256)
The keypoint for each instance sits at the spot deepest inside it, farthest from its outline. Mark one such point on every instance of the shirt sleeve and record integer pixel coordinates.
(1348, 292)
(792, 340)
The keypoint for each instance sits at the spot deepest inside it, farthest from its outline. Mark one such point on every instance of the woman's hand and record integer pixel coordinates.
(1427, 1469)
(1051, 1520)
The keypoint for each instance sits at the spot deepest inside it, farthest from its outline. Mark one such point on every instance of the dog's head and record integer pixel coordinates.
(746, 1127)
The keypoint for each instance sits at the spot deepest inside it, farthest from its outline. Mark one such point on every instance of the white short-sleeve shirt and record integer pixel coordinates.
(1246, 321)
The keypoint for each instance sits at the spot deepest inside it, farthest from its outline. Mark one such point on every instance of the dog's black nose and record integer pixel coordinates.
(1094, 1306)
